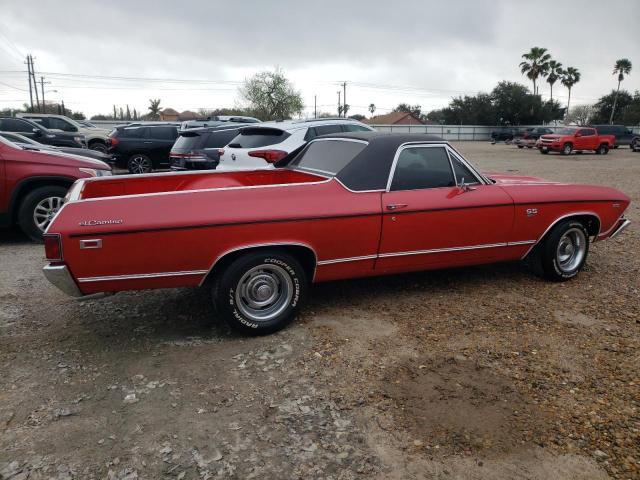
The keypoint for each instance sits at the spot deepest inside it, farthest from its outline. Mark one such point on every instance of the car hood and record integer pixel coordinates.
(71, 160)
(554, 136)
(507, 179)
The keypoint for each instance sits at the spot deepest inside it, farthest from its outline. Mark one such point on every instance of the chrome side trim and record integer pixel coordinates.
(615, 224)
(90, 243)
(356, 191)
(259, 245)
(60, 276)
(553, 224)
(620, 228)
(443, 250)
(348, 259)
(141, 276)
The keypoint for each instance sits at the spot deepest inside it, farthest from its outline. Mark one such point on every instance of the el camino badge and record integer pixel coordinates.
(92, 223)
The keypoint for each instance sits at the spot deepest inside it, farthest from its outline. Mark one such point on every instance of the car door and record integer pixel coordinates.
(587, 139)
(433, 217)
(159, 141)
(27, 129)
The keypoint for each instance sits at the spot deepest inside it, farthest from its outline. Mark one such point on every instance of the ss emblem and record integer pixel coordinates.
(531, 212)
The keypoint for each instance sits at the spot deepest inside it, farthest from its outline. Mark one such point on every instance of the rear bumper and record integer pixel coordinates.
(60, 276)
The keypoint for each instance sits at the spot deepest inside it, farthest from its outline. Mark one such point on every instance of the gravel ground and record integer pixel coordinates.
(480, 373)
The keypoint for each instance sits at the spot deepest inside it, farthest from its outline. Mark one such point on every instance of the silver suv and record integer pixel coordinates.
(261, 144)
(96, 137)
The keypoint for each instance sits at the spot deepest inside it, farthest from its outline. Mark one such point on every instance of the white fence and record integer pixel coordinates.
(448, 132)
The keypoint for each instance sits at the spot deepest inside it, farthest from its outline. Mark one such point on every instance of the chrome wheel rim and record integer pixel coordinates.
(140, 164)
(264, 292)
(567, 150)
(45, 210)
(571, 249)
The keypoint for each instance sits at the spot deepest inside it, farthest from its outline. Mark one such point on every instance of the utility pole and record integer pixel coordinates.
(29, 76)
(42, 82)
(344, 100)
(35, 84)
(339, 109)
(315, 106)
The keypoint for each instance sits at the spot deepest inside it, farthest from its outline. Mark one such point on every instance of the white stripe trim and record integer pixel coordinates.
(348, 259)
(141, 276)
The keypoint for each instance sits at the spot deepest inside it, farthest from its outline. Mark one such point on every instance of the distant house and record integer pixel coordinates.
(189, 115)
(394, 118)
(169, 115)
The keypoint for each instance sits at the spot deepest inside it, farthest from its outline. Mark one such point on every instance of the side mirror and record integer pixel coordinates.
(37, 132)
(73, 128)
(465, 187)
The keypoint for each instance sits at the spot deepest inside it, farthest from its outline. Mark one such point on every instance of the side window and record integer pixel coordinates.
(15, 125)
(59, 124)
(326, 129)
(461, 171)
(352, 127)
(422, 167)
(162, 133)
(41, 121)
(220, 139)
(587, 132)
(310, 135)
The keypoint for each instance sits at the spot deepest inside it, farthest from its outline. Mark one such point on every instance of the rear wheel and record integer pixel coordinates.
(564, 251)
(38, 209)
(139, 163)
(635, 144)
(98, 147)
(567, 149)
(261, 292)
(520, 146)
(602, 149)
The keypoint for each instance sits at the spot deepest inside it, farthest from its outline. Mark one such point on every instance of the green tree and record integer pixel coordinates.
(535, 65)
(415, 110)
(358, 117)
(115, 114)
(555, 72)
(624, 108)
(372, 108)
(622, 68)
(128, 114)
(569, 78)
(271, 96)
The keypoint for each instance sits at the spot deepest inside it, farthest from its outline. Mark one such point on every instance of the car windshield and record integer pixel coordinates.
(566, 131)
(258, 137)
(327, 156)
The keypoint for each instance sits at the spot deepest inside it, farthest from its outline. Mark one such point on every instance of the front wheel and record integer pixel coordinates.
(567, 149)
(544, 151)
(260, 292)
(38, 209)
(564, 251)
(139, 163)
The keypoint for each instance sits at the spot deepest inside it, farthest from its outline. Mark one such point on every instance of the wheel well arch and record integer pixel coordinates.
(26, 186)
(97, 140)
(300, 251)
(590, 220)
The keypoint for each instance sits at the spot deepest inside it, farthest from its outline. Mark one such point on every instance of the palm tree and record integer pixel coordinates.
(372, 108)
(536, 65)
(555, 71)
(569, 78)
(622, 68)
(154, 107)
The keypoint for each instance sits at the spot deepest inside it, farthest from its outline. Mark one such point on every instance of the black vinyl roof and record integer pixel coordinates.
(369, 170)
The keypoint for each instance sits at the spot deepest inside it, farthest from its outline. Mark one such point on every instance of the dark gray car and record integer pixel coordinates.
(29, 143)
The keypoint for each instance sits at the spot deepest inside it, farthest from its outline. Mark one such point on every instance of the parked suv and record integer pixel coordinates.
(96, 138)
(199, 148)
(503, 134)
(41, 134)
(263, 144)
(624, 135)
(35, 182)
(141, 148)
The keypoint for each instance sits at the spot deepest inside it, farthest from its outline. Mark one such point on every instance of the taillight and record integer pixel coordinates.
(113, 141)
(53, 247)
(270, 156)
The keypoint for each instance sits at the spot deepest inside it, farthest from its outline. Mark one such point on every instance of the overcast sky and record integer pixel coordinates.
(418, 52)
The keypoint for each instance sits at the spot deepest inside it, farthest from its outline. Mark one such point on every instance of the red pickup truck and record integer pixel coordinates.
(33, 184)
(576, 139)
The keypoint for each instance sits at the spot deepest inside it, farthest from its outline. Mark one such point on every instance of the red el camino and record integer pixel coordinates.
(345, 206)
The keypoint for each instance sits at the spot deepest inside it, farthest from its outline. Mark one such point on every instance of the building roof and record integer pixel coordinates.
(169, 111)
(189, 115)
(394, 118)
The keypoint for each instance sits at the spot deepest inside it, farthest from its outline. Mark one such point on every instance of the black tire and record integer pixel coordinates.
(520, 146)
(249, 270)
(567, 148)
(139, 163)
(98, 147)
(602, 149)
(635, 144)
(38, 199)
(551, 252)
(544, 152)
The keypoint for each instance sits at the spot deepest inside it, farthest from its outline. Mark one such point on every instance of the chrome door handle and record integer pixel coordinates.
(396, 206)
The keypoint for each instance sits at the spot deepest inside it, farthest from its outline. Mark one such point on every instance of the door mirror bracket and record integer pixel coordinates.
(465, 187)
